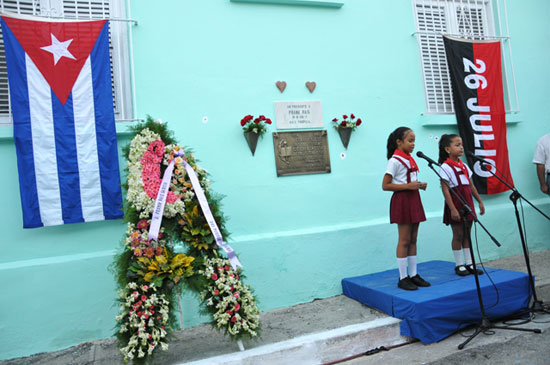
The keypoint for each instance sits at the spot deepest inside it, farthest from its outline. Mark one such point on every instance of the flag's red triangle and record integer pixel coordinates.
(33, 35)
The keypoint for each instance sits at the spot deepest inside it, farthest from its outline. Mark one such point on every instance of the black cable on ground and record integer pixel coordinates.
(369, 352)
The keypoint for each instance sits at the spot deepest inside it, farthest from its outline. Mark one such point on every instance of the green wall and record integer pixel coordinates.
(298, 236)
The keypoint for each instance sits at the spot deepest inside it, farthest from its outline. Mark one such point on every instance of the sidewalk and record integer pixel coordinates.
(321, 331)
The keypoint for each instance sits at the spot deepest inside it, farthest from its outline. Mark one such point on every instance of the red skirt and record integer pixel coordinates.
(406, 207)
(465, 192)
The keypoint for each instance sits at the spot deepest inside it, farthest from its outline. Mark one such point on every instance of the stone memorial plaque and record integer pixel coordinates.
(301, 152)
(298, 114)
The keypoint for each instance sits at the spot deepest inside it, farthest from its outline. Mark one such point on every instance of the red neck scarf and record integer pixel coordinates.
(458, 164)
(408, 157)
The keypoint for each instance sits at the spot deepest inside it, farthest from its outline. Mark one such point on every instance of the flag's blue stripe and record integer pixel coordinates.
(67, 161)
(22, 134)
(105, 127)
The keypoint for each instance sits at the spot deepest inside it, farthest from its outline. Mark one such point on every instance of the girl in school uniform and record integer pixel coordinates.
(406, 208)
(456, 176)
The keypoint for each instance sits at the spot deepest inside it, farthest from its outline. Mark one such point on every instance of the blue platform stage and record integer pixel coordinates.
(451, 303)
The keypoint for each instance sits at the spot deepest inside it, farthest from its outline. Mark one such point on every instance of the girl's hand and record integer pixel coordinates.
(481, 208)
(455, 215)
(423, 186)
(414, 185)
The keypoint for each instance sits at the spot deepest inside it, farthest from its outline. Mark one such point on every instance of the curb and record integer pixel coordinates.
(319, 347)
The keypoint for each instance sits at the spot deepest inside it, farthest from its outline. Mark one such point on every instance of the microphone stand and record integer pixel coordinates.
(485, 323)
(537, 305)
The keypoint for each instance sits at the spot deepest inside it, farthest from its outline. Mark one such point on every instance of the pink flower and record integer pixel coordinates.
(237, 307)
(150, 337)
(231, 275)
(158, 251)
(220, 269)
(143, 224)
(145, 287)
(144, 297)
(229, 312)
(216, 292)
(149, 252)
(236, 294)
(233, 319)
(214, 277)
(227, 267)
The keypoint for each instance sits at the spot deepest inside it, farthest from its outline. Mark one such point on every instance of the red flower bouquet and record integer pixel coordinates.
(258, 125)
(352, 122)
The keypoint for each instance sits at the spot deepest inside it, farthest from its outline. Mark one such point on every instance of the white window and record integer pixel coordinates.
(79, 9)
(472, 19)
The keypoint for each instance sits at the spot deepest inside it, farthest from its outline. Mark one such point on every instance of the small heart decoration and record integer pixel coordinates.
(311, 86)
(281, 85)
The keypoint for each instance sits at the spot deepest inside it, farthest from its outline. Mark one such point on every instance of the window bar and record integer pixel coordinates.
(448, 75)
(131, 57)
(504, 63)
(441, 94)
(511, 59)
(428, 44)
(460, 35)
(419, 42)
(88, 18)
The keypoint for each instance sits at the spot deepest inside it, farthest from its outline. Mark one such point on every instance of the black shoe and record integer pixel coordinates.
(418, 281)
(470, 268)
(461, 270)
(407, 284)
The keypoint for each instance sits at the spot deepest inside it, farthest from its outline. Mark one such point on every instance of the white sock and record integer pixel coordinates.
(412, 265)
(458, 257)
(467, 256)
(402, 265)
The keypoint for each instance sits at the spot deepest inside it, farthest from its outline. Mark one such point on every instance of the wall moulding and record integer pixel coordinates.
(318, 3)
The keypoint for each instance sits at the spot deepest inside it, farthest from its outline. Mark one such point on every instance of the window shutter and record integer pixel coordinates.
(20, 7)
(90, 9)
(79, 9)
(431, 23)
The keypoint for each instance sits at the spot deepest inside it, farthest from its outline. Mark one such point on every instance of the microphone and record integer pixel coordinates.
(476, 157)
(422, 155)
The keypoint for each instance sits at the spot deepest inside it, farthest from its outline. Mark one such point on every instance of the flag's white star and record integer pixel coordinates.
(59, 49)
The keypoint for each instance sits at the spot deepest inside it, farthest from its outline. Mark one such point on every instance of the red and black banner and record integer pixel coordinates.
(476, 78)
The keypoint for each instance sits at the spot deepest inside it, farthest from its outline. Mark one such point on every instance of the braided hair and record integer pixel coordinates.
(445, 141)
(399, 133)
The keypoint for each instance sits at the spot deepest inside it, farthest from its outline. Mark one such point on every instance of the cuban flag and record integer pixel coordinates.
(63, 120)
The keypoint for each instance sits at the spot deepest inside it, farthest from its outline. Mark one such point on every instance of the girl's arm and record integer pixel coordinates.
(478, 198)
(388, 186)
(455, 215)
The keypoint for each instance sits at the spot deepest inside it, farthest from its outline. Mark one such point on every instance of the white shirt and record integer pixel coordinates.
(446, 172)
(398, 172)
(542, 152)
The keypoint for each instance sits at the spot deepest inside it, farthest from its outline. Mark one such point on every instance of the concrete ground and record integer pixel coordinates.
(334, 330)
